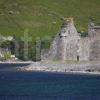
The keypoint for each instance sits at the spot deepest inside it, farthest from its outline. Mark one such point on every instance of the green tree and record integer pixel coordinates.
(7, 55)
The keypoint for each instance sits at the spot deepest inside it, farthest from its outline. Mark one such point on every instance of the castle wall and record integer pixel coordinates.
(66, 42)
(71, 50)
(69, 45)
(94, 35)
(95, 50)
(84, 49)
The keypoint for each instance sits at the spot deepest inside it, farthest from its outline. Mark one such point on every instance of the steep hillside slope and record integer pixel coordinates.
(42, 17)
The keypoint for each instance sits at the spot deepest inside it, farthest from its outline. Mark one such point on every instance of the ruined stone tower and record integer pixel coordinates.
(65, 45)
(94, 37)
(68, 41)
(69, 45)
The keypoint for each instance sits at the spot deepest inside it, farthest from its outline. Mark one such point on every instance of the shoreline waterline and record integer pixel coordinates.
(56, 67)
(90, 68)
(63, 72)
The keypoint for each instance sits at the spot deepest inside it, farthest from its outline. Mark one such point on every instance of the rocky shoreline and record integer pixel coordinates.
(88, 68)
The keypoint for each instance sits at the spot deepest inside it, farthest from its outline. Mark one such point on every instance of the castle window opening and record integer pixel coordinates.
(78, 58)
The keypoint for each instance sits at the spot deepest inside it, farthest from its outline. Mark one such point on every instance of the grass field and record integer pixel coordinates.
(42, 17)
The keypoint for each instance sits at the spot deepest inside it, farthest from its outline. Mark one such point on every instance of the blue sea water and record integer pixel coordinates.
(21, 85)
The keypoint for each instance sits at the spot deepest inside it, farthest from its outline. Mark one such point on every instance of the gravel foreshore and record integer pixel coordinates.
(88, 68)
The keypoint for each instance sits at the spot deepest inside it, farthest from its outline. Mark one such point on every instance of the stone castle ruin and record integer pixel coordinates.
(69, 45)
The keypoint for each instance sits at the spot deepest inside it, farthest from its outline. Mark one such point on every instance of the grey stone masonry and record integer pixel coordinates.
(69, 45)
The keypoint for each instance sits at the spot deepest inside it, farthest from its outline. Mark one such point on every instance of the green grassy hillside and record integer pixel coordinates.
(42, 17)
